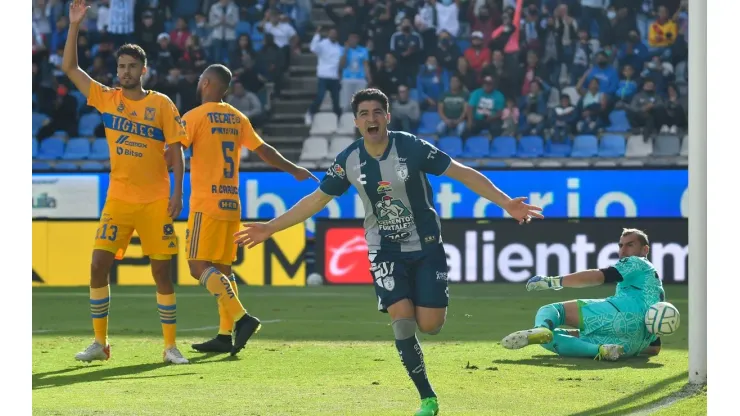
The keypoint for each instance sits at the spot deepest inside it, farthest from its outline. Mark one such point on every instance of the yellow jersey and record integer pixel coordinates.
(216, 132)
(662, 35)
(137, 132)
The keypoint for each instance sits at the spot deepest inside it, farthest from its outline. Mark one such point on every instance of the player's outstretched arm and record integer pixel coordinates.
(476, 182)
(273, 158)
(586, 278)
(258, 232)
(70, 66)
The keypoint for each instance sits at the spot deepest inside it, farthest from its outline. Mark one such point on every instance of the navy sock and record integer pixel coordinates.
(413, 359)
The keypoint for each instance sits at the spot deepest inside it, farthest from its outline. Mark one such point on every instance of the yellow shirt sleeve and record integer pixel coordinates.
(174, 131)
(97, 95)
(190, 122)
(250, 139)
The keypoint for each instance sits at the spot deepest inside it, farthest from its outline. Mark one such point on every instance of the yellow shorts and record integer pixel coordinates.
(210, 239)
(151, 221)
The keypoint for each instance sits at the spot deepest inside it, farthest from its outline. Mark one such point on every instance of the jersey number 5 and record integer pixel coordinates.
(227, 148)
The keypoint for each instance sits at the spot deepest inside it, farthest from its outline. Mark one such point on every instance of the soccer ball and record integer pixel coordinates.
(314, 279)
(662, 319)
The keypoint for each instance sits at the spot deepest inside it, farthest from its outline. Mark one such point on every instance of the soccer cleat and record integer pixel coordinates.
(213, 345)
(173, 355)
(244, 328)
(610, 352)
(95, 352)
(429, 407)
(521, 339)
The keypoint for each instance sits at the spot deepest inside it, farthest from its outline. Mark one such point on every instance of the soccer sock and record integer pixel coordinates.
(569, 346)
(220, 286)
(550, 316)
(99, 305)
(226, 322)
(412, 356)
(168, 317)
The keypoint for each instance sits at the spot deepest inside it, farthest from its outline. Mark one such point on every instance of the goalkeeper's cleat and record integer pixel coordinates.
(610, 352)
(521, 339)
(216, 345)
(244, 328)
(95, 352)
(173, 355)
(429, 407)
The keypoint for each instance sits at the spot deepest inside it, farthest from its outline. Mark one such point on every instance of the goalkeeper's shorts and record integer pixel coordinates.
(614, 321)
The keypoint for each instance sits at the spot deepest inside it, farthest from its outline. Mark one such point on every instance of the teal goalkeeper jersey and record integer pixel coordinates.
(640, 282)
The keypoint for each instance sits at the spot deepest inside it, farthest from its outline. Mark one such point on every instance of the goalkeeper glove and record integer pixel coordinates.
(544, 283)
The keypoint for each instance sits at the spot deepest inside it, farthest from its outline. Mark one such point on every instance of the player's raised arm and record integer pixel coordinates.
(70, 66)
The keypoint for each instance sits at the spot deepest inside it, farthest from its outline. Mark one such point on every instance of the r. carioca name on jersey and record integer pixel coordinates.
(225, 189)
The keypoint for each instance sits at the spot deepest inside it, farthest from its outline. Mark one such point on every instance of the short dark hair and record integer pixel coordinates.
(369, 94)
(641, 235)
(222, 73)
(132, 50)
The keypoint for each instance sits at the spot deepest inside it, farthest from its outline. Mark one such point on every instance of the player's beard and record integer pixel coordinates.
(132, 84)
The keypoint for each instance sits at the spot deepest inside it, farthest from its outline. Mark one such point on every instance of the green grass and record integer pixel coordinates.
(328, 351)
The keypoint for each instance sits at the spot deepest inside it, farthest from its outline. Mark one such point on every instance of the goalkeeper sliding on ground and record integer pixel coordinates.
(607, 328)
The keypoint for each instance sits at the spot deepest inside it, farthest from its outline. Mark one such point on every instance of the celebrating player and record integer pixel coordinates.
(216, 132)
(138, 123)
(402, 228)
(608, 328)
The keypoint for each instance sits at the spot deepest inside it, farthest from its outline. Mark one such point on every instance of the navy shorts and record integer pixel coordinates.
(418, 276)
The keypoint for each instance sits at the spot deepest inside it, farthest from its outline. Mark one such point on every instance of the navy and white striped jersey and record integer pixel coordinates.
(395, 191)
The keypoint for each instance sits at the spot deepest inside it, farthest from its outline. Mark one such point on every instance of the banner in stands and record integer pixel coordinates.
(504, 251)
(562, 193)
(62, 251)
(65, 196)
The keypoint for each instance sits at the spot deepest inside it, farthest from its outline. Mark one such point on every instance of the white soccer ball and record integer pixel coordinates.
(662, 319)
(314, 279)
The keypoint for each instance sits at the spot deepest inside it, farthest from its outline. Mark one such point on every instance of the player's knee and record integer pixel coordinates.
(197, 268)
(100, 267)
(431, 328)
(404, 328)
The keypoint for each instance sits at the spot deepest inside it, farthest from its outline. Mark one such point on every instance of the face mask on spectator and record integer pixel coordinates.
(431, 67)
(611, 15)
(446, 2)
(406, 29)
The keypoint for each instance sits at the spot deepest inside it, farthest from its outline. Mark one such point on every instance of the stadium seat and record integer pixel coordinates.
(503, 147)
(471, 163)
(429, 122)
(522, 164)
(685, 146)
(572, 92)
(88, 123)
(34, 148)
(66, 166)
(338, 144)
(558, 149)
(618, 122)
(414, 94)
(585, 146)
(92, 166)
(631, 163)
(346, 125)
(428, 138)
(638, 147)
(315, 149)
(549, 163)
(77, 148)
(683, 161)
(37, 122)
(451, 145)
(666, 145)
(605, 163)
(494, 163)
(476, 147)
(463, 44)
(531, 146)
(611, 145)
(38, 166)
(324, 124)
(99, 150)
(575, 163)
(51, 148)
(243, 28)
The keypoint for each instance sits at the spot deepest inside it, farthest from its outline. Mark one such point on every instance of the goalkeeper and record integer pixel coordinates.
(607, 328)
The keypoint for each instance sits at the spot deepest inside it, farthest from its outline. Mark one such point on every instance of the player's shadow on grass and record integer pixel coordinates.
(60, 378)
(581, 364)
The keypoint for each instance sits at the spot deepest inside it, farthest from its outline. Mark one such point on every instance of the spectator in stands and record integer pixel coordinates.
(84, 51)
(550, 54)
(147, 34)
(407, 45)
(202, 30)
(660, 72)
(245, 50)
(390, 76)
(447, 52)
(431, 83)
(532, 32)
(484, 109)
(506, 38)
(531, 71)
(627, 88)
(477, 54)
(346, 23)
(497, 70)
(121, 21)
(195, 55)
(272, 63)
(483, 16)
(468, 77)
(248, 103)
(583, 53)
(99, 71)
(355, 67)
(59, 35)
(447, 13)
(329, 52)
(592, 11)
(675, 115)
(55, 59)
(223, 18)
(426, 25)
(286, 38)
(166, 55)
(645, 108)
(41, 22)
(533, 107)
(180, 34)
(63, 115)
(592, 107)
(566, 28)
(510, 118)
(187, 89)
(633, 52)
(405, 112)
(380, 26)
(562, 118)
(604, 73)
(620, 25)
(663, 32)
(169, 84)
(451, 109)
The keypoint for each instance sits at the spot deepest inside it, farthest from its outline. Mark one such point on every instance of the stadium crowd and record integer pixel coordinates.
(551, 68)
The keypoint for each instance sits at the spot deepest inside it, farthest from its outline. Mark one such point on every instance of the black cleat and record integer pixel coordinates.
(243, 330)
(218, 345)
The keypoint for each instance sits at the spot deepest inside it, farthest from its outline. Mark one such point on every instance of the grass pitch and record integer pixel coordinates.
(327, 351)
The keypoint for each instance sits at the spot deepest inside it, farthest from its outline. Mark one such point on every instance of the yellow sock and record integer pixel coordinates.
(225, 321)
(99, 305)
(168, 317)
(220, 286)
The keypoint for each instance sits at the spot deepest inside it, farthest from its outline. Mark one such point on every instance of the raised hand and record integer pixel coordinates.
(253, 233)
(544, 283)
(521, 211)
(77, 11)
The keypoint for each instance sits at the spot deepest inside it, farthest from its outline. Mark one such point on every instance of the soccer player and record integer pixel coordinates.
(607, 328)
(402, 228)
(217, 131)
(138, 123)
